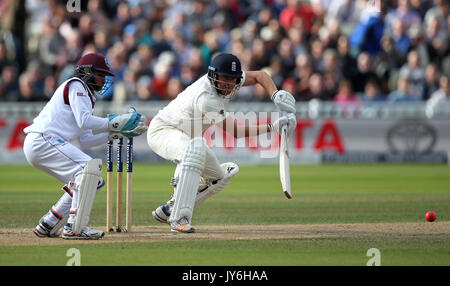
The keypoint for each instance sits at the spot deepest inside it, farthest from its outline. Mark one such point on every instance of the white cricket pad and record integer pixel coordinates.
(192, 166)
(86, 193)
(230, 169)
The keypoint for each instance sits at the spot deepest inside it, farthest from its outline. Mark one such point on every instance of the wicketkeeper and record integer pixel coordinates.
(67, 117)
(175, 134)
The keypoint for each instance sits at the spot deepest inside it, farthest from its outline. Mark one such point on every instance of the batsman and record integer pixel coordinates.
(175, 134)
(68, 117)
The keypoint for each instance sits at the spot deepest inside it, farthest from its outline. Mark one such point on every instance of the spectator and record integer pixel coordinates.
(123, 17)
(388, 61)
(304, 70)
(292, 39)
(436, 40)
(162, 72)
(367, 34)
(415, 73)
(347, 62)
(345, 96)
(10, 82)
(346, 12)
(130, 78)
(4, 57)
(210, 46)
(143, 88)
(260, 57)
(297, 38)
(287, 56)
(431, 81)
(331, 64)
(330, 83)
(50, 43)
(27, 92)
(175, 86)
(101, 41)
(421, 7)
(443, 93)
(440, 11)
(225, 15)
(50, 85)
(317, 50)
(278, 71)
(3, 95)
(289, 85)
(402, 42)
(405, 14)
(372, 92)
(403, 93)
(13, 23)
(297, 11)
(316, 88)
(364, 72)
(130, 38)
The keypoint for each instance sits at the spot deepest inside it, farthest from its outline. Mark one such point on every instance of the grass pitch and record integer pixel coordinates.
(325, 195)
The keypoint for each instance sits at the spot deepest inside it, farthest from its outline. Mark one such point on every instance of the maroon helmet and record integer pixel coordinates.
(92, 69)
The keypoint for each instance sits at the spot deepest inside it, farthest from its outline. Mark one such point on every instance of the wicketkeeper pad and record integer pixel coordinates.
(86, 193)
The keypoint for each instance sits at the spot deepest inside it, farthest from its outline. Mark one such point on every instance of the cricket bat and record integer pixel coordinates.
(285, 173)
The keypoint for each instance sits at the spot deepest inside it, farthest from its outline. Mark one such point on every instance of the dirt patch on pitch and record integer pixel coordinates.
(242, 232)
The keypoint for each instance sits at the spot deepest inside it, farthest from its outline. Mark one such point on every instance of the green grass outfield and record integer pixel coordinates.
(325, 194)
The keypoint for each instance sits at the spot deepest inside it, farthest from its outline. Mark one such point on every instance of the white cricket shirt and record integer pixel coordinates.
(198, 106)
(69, 113)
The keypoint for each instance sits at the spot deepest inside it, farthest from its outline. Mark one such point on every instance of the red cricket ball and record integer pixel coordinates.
(430, 216)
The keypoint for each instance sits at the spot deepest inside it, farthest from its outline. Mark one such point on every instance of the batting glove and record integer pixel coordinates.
(284, 101)
(288, 120)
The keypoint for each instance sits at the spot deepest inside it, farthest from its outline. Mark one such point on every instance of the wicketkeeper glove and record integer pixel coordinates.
(289, 120)
(115, 136)
(284, 101)
(129, 124)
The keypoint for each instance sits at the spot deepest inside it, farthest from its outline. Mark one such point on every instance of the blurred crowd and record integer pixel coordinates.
(341, 50)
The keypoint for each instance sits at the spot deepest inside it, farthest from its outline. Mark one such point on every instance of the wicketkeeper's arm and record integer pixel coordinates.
(88, 139)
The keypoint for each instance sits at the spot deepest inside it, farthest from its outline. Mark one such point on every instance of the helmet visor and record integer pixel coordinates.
(98, 80)
(227, 87)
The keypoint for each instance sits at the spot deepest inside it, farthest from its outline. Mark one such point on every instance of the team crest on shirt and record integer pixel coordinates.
(61, 141)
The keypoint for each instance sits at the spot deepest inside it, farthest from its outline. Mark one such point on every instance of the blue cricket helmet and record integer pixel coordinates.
(227, 65)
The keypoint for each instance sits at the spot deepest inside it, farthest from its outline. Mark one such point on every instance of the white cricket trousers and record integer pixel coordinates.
(170, 143)
(58, 158)
(61, 160)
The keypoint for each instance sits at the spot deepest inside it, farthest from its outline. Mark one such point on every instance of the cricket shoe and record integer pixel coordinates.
(85, 233)
(182, 225)
(162, 214)
(45, 230)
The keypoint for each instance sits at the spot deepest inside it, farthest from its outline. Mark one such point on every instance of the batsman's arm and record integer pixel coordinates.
(282, 99)
(231, 126)
(262, 78)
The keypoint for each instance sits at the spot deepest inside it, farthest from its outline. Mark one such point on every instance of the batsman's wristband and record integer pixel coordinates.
(273, 94)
